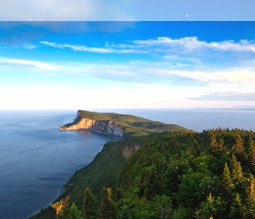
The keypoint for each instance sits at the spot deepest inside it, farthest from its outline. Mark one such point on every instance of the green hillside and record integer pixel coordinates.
(104, 170)
(170, 175)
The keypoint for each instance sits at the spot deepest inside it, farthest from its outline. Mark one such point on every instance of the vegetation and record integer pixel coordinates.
(89, 205)
(133, 125)
(169, 175)
(60, 206)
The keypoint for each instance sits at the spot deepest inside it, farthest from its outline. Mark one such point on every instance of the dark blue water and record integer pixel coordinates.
(36, 159)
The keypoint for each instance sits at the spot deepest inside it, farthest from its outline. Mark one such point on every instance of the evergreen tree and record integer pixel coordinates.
(251, 198)
(89, 205)
(211, 207)
(251, 152)
(72, 212)
(227, 181)
(220, 145)
(107, 207)
(251, 188)
(238, 146)
(196, 148)
(213, 141)
(237, 210)
(234, 162)
(236, 169)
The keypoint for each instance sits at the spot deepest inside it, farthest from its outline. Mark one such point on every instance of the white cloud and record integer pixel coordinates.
(236, 76)
(20, 62)
(29, 46)
(135, 84)
(188, 42)
(89, 49)
(123, 85)
(183, 50)
(193, 42)
(142, 74)
(227, 96)
(77, 47)
(241, 46)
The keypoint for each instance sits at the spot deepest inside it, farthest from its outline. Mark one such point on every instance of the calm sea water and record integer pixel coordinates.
(36, 159)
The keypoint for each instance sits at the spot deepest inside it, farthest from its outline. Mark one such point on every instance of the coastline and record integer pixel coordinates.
(184, 116)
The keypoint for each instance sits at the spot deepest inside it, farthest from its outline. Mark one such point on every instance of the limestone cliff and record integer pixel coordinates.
(102, 126)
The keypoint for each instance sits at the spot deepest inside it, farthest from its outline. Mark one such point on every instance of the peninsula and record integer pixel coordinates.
(117, 125)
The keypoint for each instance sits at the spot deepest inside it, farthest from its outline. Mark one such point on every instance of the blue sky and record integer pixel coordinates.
(88, 65)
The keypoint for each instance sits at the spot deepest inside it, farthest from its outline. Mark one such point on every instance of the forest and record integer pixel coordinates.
(175, 175)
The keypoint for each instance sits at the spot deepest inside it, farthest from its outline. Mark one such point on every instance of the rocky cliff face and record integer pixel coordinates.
(79, 123)
(101, 126)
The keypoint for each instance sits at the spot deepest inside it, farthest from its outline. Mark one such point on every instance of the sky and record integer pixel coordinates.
(127, 10)
(134, 64)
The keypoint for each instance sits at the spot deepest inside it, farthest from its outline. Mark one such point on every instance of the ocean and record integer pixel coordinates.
(36, 159)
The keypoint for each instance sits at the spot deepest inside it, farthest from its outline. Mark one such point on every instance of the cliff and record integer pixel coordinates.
(101, 126)
(118, 125)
